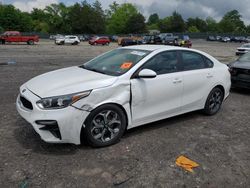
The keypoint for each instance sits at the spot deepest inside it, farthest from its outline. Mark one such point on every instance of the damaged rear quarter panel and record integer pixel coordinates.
(118, 93)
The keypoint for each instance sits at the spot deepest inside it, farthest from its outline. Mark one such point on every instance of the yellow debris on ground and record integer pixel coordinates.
(186, 163)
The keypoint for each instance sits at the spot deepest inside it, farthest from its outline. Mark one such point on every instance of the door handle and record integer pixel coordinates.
(209, 75)
(177, 81)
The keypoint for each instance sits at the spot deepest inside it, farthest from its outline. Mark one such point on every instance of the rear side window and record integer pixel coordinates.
(192, 61)
(209, 63)
(163, 63)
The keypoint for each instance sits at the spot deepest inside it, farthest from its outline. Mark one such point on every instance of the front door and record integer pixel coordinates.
(160, 97)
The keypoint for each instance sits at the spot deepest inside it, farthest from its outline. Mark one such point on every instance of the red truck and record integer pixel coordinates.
(15, 36)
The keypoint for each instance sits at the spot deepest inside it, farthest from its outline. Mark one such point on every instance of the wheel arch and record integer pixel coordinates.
(107, 103)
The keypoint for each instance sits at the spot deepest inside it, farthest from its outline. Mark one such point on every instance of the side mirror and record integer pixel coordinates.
(147, 73)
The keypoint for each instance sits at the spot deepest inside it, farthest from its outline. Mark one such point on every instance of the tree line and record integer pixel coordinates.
(117, 19)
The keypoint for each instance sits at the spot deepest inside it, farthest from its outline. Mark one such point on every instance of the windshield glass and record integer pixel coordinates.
(245, 58)
(116, 62)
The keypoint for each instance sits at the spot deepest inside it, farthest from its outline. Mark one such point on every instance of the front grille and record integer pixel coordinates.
(27, 104)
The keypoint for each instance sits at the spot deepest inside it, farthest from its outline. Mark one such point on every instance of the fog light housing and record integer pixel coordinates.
(51, 126)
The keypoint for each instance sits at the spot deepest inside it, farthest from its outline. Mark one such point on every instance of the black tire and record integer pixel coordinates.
(31, 42)
(99, 134)
(2, 41)
(214, 101)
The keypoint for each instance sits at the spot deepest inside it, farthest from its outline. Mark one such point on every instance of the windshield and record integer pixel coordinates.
(116, 62)
(245, 58)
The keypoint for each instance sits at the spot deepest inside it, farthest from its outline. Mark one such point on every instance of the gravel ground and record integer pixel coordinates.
(146, 155)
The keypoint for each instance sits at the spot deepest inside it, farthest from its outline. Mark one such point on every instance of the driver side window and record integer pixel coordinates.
(163, 63)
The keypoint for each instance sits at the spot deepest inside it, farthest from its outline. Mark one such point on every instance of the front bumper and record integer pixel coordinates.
(69, 120)
(240, 52)
(240, 83)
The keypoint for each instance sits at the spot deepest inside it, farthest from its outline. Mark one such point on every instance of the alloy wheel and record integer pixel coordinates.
(106, 126)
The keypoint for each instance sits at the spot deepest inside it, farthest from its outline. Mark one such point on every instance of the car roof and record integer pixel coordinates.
(152, 47)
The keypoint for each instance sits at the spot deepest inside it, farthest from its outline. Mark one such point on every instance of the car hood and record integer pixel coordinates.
(241, 65)
(242, 48)
(67, 81)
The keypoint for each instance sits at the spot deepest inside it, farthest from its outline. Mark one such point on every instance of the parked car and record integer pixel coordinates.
(218, 38)
(243, 49)
(81, 38)
(238, 39)
(185, 41)
(128, 42)
(152, 39)
(169, 39)
(240, 72)
(68, 39)
(121, 89)
(99, 40)
(211, 38)
(15, 36)
(247, 39)
(225, 39)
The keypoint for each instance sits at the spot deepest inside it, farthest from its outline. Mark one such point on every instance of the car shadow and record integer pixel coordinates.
(240, 91)
(168, 122)
(31, 141)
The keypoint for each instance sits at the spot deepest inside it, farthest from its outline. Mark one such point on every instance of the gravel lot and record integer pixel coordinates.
(146, 155)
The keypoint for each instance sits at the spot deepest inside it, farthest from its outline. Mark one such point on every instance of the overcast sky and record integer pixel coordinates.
(187, 8)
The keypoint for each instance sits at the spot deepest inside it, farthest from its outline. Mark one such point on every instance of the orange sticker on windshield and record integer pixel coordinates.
(126, 65)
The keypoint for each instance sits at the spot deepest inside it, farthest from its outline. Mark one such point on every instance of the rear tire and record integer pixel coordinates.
(104, 126)
(214, 101)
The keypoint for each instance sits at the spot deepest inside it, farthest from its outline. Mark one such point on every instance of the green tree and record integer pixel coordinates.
(136, 24)
(13, 19)
(199, 23)
(231, 22)
(174, 23)
(58, 19)
(193, 29)
(118, 20)
(153, 19)
(212, 25)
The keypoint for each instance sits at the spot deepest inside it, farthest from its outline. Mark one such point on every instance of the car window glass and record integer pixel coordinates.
(244, 58)
(72, 37)
(192, 61)
(165, 62)
(209, 63)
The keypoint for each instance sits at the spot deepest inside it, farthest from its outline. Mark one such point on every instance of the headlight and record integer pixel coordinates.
(61, 101)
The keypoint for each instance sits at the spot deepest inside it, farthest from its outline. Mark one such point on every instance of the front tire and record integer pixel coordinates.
(31, 42)
(104, 126)
(214, 101)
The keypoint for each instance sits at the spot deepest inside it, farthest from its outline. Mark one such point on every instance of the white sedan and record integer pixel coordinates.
(121, 89)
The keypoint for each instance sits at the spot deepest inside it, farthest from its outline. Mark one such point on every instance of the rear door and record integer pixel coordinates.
(160, 97)
(198, 79)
